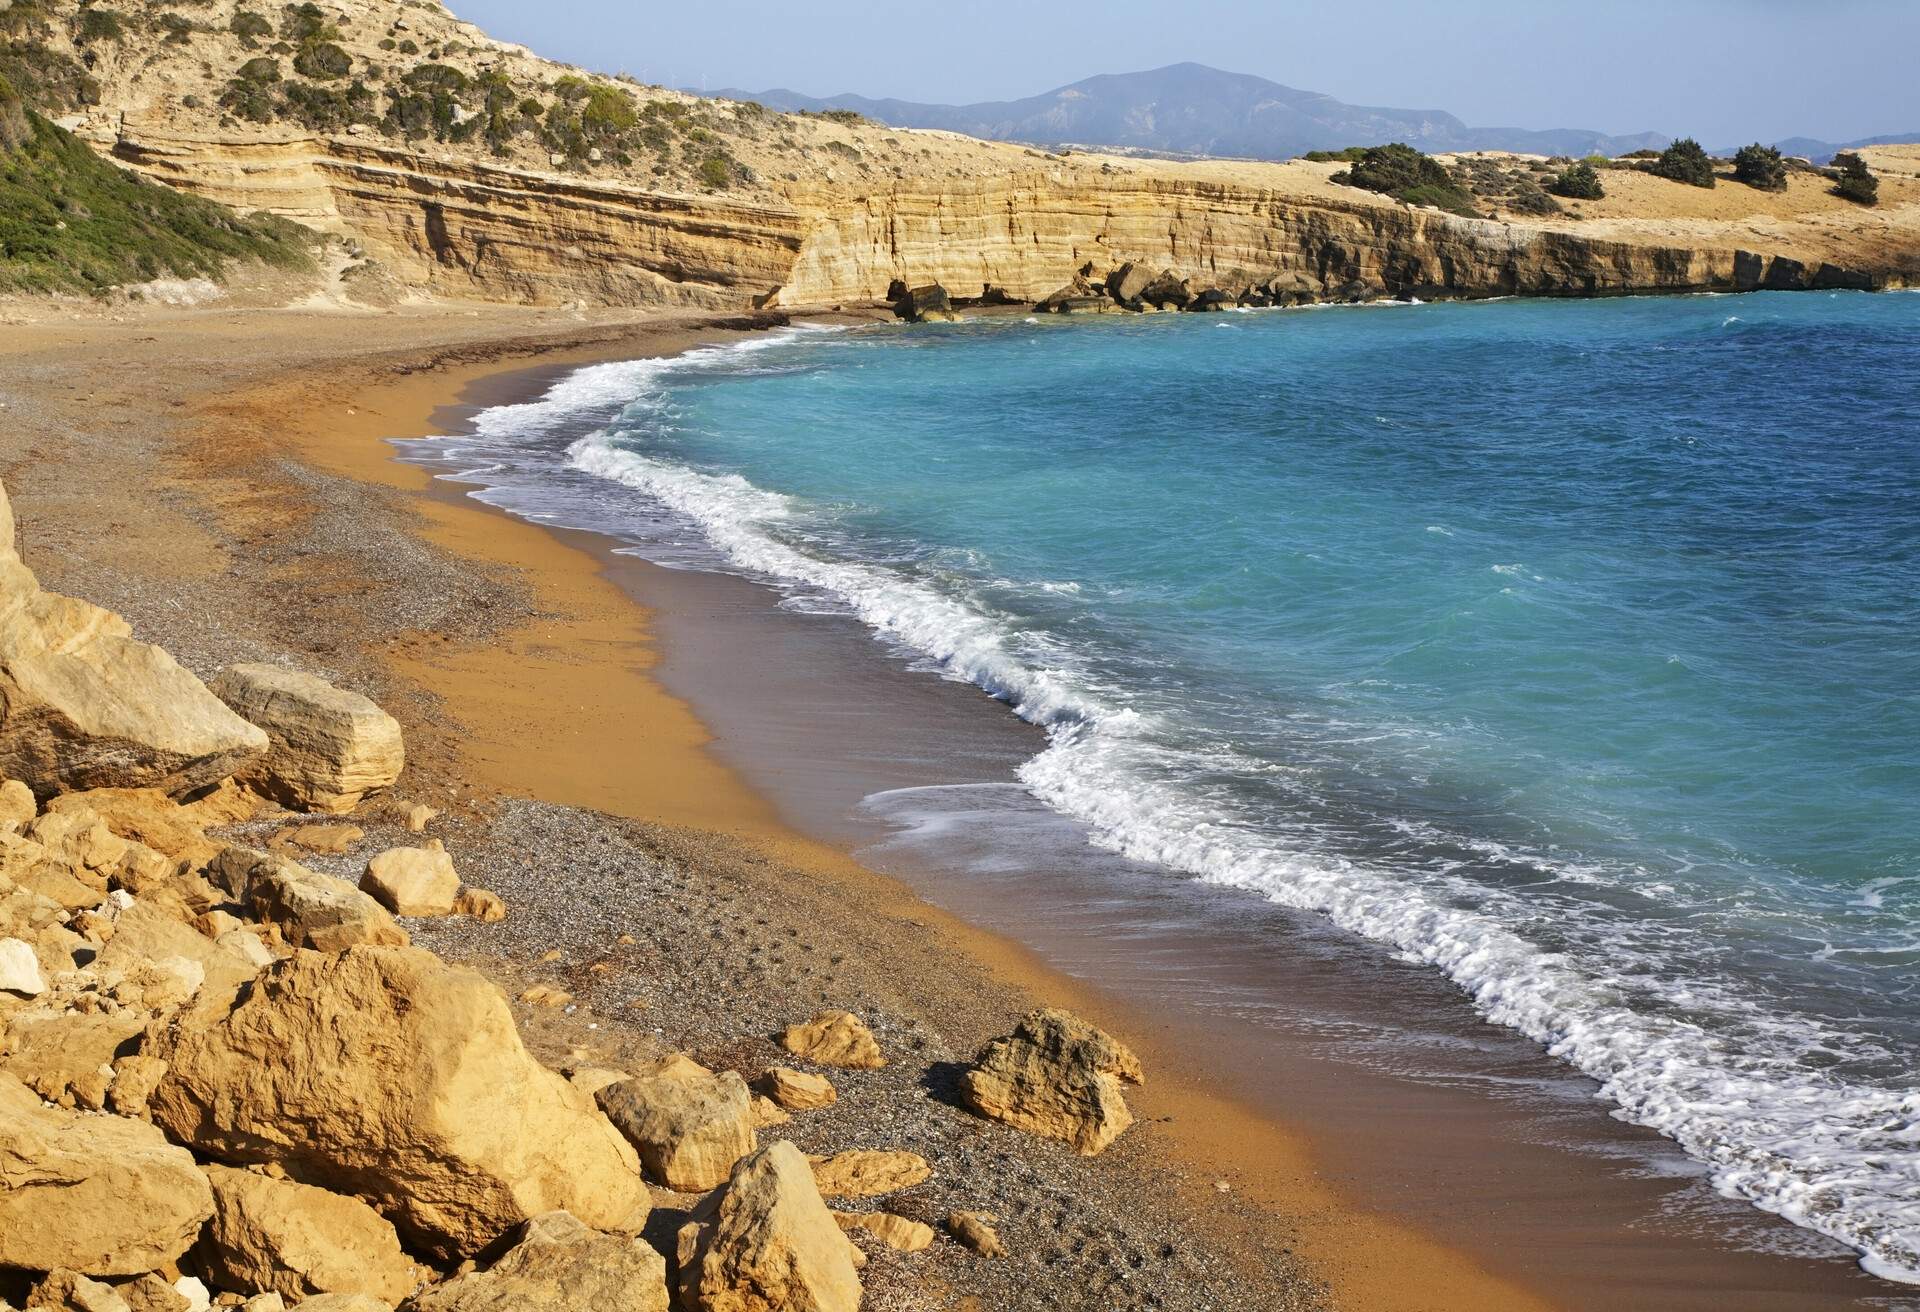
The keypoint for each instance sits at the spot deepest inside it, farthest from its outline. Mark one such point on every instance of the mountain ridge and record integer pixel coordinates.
(1194, 109)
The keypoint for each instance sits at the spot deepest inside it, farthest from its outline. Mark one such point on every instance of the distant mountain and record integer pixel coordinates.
(1822, 151)
(1190, 109)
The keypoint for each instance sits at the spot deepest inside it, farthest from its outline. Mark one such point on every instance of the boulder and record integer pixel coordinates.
(389, 1074)
(20, 969)
(896, 1232)
(689, 1124)
(834, 1038)
(292, 1239)
(767, 1112)
(972, 1230)
(146, 816)
(156, 962)
(67, 1056)
(485, 907)
(797, 1091)
(413, 881)
(329, 747)
(86, 706)
(1211, 299)
(100, 1195)
(863, 1173)
(928, 304)
(1127, 282)
(330, 839)
(313, 910)
(558, 1264)
(1055, 1075)
(17, 804)
(1167, 289)
(151, 1293)
(766, 1241)
(69, 1291)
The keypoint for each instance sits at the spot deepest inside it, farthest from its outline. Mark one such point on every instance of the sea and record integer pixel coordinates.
(1570, 648)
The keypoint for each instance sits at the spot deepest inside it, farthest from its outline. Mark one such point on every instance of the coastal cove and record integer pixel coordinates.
(719, 639)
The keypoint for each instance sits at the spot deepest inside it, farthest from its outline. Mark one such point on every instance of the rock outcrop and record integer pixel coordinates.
(689, 1124)
(330, 748)
(834, 1038)
(768, 1242)
(1058, 1076)
(98, 1195)
(559, 1264)
(385, 1073)
(295, 1240)
(83, 705)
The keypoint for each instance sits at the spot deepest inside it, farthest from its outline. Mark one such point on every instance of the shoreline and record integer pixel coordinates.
(481, 693)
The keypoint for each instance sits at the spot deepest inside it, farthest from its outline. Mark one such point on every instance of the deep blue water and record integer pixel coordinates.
(1572, 647)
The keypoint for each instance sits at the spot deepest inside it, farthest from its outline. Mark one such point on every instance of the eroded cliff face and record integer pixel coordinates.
(460, 228)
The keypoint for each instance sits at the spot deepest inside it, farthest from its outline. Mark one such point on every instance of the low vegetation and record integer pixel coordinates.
(1579, 181)
(1761, 167)
(1853, 180)
(1400, 171)
(72, 222)
(1684, 161)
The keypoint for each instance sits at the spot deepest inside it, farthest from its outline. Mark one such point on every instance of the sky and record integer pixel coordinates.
(1724, 71)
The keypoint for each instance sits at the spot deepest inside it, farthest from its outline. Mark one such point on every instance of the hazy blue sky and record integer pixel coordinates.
(1721, 70)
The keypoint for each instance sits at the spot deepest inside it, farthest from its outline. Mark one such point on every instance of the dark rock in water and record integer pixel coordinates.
(1356, 289)
(1167, 290)
(1748, 269)
(1084, 305)
(896, 290)
(991, 295)
(1127, 282)
(928, 304)
(1078, 289)
(1292, 289)
(1212, 299)
(1831, 277)
(1785, 275)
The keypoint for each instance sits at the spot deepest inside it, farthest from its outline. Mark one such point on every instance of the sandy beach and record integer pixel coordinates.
(558, 709)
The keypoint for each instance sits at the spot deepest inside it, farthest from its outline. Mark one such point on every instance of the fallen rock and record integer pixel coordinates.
(69, 1291)
(766, 1241)
(1127, 282)
(99, 1195)
(1057, 1076)
(928, 304)
(150, 1293)
(314, 910)
(134, 1080)
(413, 881)
(89, 707)
(20, 969)
(591, 1079)
(390, 1074)
(797, 1091)
(67, 1056)
(149, 963)
(17, 805)
(292, 1239)
(546, 995)
(834, 1038)
(863, 1172)
(419, 816)
(896, 1232)
(485, 907)
(766, 1112)
(329, 839)
(689, 1124)
(146, 816)
(558, 1264)
(972, 1230)
(329, 747)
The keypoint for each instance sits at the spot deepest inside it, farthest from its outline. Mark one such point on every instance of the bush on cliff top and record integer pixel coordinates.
(1400, 171)
(70, 221)
(1685, 161)
(1578, 182)
(1853, 180)
(1761, 167)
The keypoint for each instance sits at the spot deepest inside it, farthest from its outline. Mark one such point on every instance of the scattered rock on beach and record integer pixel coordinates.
(896, 1232)
(1058, 1076)
(559, 1264)
(100, 1195)
(689, 1124)
(331, 840)
(313, 910)
(297, 1240)
(864, 1172)
(69, 1291)
(797, 1091)
(87, 706)
(390, 1074)
(767, 1241)
(972, 1230)
(834, 1038)
(413, 881)
(330, 747)
(485, 907)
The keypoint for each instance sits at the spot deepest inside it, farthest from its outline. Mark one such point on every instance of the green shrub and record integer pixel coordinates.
(323, 61)
(99, 25)
(1760, 166)
(1578, 182)
(251, 99)
(1400, 171)
(1685, 161)
(1853, 180)
(1529, 199)
(177, 29)
(408, 46)
(327, 109)
(608, 113)
(1351, 155)
(249, 27)
(15, 130)
(261, 68)
(716, 172)
(70, 221)
(443, 76)
(306, 22)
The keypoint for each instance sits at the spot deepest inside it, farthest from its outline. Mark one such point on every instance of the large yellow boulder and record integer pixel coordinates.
(1058, 1076)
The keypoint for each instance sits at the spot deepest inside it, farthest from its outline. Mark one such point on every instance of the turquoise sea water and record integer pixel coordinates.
(1573, 648)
